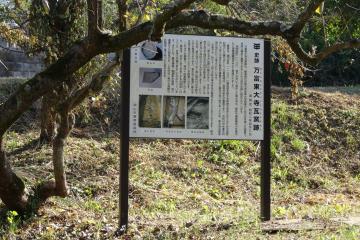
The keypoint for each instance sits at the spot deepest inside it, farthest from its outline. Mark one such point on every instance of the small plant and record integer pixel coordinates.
(276, 144)
(280, 212)
(298, 144)
(93, 206)
(12, 219)
(164, 205)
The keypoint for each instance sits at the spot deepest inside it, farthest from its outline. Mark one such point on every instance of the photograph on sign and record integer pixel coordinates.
(174, 112)
(149, 111)
(150, 77)
(197, 113)
(151, 51)
(190, 86)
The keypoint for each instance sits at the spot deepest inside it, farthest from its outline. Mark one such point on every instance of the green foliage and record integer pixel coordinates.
(339, 23)
(230, 152)
(58, 27)
(298, 144)
(93, 205)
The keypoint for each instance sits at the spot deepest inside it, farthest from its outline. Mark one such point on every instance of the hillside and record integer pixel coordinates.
(182, 189)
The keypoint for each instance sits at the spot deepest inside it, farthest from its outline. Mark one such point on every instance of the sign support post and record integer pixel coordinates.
(265, 205)
(124, 143)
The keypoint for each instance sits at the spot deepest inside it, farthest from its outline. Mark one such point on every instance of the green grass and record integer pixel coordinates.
(181, 189)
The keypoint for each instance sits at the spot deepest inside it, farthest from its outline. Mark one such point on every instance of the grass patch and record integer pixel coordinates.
(181, 189)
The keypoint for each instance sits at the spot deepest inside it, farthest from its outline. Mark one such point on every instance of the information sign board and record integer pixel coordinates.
(196, 87)
(189, 86)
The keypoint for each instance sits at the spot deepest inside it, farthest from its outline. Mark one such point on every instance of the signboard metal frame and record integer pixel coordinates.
(265, 183)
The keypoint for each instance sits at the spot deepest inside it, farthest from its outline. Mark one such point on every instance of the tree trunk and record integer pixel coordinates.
(59, 170)
(47, 120)
(12, 188)
(66, 124)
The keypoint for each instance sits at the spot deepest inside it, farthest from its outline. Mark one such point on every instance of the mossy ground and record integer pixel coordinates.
(181, 189)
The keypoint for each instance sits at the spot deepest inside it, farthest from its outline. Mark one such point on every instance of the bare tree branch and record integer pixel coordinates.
(66, 124)
(352, 7)
(300, 53)
(313, 60)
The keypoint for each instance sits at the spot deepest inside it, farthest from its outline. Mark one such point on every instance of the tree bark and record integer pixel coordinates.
(12, 188)
(59, 169)
(66, 124)
(44, 82)
(47, 120)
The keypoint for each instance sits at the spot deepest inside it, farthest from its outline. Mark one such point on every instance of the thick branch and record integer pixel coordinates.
(66, 124)
(67, 120)
(95, 86)
(211, 21)
(169, 11)
(355, 43)
(12, 188)
(300, 22)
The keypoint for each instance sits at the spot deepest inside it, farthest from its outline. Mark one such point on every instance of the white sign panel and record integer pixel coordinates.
(197, 87)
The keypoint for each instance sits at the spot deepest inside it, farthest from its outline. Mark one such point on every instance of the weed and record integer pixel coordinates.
(13, 221)
(92, 205)
(298, 144)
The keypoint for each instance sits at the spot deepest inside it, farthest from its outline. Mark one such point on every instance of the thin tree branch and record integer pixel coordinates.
(314, 60)
(352, 7)
(300, 53)
(3, 64)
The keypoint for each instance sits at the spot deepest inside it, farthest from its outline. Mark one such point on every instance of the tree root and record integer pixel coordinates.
(41, 193)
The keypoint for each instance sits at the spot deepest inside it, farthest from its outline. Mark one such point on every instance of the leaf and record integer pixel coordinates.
(320, 9)
(146, 17)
